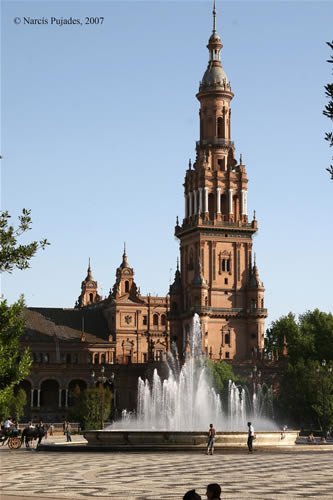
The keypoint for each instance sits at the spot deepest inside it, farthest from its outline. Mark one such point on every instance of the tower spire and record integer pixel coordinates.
(214, 18)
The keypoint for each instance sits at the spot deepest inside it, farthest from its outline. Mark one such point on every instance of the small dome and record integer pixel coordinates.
(214, 75)
(214, 38)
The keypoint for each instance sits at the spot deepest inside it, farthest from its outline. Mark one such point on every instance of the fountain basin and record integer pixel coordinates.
(134, 440)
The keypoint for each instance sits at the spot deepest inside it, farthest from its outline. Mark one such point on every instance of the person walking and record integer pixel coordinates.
(211, 440)
(250, 437)
(67, 431)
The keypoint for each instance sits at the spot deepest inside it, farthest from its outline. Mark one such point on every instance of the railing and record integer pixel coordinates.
(196, 221)
(216, 142)
(230, 310)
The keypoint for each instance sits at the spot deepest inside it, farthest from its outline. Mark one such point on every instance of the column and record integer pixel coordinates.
(200, 201)
(66, 397)
(59, 401)
(32, 398)
(218, 200)
(190, 204)
(38, 398)
(195, 208)
(185, 200)
(231, 211)
(244, 202)
(206, 199)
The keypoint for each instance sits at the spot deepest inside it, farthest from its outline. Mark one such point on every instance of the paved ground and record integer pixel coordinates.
(165, 476)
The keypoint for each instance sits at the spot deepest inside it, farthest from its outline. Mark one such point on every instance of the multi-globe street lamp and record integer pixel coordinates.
(101, 380)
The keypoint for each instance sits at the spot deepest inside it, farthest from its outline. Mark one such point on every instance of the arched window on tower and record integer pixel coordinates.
(224, 205)
(236, 207)
(227, 338)
(211, 206)
(220, 128)
(126, 287)
(225, 265)
(163, 320)
(155, 320)
(91, 298)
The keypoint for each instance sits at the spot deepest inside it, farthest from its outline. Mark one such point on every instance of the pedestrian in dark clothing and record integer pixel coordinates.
(191, 495)
(250, 437)
(214, 491)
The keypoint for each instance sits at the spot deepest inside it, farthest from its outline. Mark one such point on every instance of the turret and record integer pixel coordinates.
(89, 294)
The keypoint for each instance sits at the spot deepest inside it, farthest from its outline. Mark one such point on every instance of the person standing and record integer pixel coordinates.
(68, 431)
(191, 495)
(211, 440)
(250, 437)
(213, 492)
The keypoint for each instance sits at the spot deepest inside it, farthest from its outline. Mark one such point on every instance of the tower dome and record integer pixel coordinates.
(214, 77)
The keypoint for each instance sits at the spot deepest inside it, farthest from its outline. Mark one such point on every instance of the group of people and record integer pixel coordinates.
(213, 492)
(251, 436)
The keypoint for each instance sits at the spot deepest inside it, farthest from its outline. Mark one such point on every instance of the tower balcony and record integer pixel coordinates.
(216, 142)
(201, 222)
(229, 311)
(219, 312)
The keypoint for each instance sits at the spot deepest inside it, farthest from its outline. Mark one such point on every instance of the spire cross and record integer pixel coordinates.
(124, 247)
(214, 18)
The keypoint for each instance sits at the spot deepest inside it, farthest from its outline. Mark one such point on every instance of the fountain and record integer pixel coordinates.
(175, 413)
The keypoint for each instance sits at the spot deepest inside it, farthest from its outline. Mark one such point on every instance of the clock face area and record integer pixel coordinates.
(91, 285)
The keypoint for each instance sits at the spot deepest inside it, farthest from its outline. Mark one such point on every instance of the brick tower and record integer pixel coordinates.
(217, 278)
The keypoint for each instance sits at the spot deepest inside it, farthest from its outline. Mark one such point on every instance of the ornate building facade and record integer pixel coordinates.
(217, 279)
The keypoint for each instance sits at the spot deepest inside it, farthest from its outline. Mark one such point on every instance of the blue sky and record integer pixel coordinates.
(99, 121)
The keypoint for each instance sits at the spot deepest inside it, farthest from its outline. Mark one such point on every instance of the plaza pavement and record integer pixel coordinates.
(27, 474)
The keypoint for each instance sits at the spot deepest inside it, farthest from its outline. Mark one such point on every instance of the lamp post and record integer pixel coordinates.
(322, 373)
(102, 379)
(256, 378)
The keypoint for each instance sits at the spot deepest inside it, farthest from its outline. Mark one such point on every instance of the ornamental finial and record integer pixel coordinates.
(214, 18)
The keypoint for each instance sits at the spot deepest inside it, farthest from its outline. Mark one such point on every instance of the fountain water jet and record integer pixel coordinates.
(185, 401)
(174, 414)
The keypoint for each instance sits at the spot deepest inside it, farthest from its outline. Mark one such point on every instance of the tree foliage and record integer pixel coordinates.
(13, 406)
(311, 337)
(306, 391)
(220, 373)
(12, 253)
(14, 363)
(328, 110)
(91, 406)
(306, 394)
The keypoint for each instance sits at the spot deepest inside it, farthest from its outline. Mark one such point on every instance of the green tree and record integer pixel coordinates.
(220, 373)
(311, 337)
(285, 329)
(12, 253)
(91, 407)
(306, 394)
(328, 110)
(14, 364)
(14, 405)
